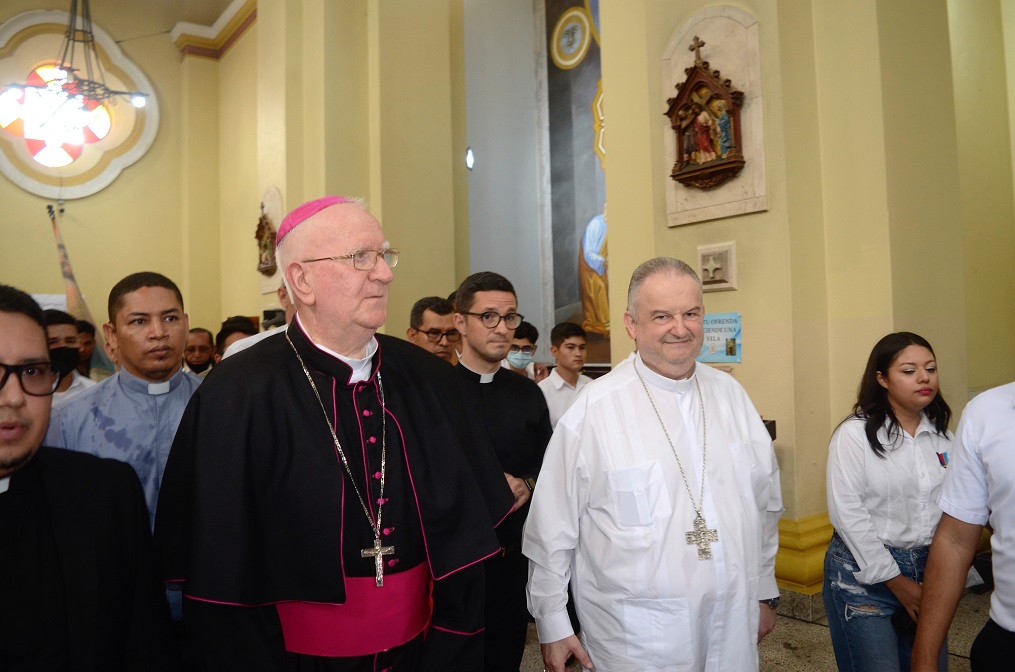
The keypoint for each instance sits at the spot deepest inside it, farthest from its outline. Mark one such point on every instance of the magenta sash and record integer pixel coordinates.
(371, 620)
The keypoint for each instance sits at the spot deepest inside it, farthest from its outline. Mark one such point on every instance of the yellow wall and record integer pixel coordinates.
(238, 191)
(983, 134)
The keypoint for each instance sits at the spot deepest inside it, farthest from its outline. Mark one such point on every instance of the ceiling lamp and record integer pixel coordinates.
(69, 94)
(84, 77)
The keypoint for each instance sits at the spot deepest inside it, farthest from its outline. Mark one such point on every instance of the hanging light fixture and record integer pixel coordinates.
(64, 105)
(84, 79)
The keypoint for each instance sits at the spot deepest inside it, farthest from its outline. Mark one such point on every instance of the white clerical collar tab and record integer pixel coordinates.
(4, 484)
(158, 388)
(483, 377)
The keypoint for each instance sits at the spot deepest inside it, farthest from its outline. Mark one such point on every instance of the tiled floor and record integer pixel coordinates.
(798, 646)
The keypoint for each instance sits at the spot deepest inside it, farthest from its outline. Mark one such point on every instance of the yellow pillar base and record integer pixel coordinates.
(802, 544)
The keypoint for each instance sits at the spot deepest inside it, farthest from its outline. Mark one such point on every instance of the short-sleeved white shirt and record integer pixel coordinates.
(979, 487)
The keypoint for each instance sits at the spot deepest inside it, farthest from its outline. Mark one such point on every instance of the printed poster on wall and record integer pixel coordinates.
(721, 344)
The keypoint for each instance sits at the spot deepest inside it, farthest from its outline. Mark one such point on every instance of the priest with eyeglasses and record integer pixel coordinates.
(659, 501)
(325, 504)
(78, 584)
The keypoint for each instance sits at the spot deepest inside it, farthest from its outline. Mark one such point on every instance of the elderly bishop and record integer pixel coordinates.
(664, 505)
(327, 502)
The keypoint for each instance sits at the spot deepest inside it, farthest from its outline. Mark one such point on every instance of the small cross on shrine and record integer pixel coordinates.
(700, 537)
(378, 552)
(696, 46)
(711, 267)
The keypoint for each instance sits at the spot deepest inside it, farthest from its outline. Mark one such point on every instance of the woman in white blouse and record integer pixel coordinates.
(886, 462)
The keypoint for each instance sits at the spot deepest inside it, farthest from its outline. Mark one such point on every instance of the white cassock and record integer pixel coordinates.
(611, 512)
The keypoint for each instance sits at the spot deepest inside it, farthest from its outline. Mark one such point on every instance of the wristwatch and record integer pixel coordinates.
(773, 603)
(531, 483)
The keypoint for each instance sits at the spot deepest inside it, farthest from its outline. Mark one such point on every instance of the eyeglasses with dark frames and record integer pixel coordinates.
(491, 319)
(37, 379)
(435, 335)
(524, 349)
(364, 260)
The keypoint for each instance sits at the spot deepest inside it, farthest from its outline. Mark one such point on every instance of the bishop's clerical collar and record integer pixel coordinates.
(360, 366)
(664, 383)
(134, 384)
(4, 484)
(483, 377)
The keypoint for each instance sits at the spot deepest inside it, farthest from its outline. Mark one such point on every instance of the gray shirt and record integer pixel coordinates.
(128, 419)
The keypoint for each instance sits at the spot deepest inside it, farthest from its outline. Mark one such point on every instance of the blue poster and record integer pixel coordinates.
(721, 344)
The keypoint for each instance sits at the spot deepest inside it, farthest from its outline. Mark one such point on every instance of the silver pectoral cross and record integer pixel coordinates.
(377, 553)
(701, 537)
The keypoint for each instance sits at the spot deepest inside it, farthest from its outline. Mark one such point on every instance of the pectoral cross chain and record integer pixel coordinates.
(701, 537)
(378, 552)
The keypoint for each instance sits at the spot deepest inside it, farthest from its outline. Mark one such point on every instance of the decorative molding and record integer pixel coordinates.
(799, 565)
(214, 41)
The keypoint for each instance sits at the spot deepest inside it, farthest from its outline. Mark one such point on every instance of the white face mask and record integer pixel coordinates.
(519, 360)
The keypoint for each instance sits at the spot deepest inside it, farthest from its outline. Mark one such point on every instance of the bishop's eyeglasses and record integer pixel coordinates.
(491, 319)
(364, 260)
(37, 379)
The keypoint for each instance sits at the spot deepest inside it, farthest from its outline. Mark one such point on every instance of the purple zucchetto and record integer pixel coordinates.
(305, 212)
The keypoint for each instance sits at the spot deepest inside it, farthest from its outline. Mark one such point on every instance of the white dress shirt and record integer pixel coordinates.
(875, 502)
(560, 394)
(610, 514)
(980, 487)
(78, 385)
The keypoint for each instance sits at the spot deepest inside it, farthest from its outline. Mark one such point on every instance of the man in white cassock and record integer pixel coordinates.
(659, 500)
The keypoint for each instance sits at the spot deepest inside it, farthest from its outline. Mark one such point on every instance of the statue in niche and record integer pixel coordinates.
(265, 245)
(705, 116)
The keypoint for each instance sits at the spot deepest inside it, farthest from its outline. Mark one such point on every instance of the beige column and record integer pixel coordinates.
(199, 208)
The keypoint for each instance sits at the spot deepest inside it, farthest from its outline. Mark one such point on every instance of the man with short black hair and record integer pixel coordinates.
(514, 413)
(78, 589)
(432, 326)
(200, 351)
(522, 353)
(86, 342)
(562, 386)
(133, 415)
(62, 332)
(233, 329)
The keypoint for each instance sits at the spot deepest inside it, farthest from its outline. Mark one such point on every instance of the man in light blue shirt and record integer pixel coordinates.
(133, 415)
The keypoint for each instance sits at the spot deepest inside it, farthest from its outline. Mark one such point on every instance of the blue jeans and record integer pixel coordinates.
(860, 616)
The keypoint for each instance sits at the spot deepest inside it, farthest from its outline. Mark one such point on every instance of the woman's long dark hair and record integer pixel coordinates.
(872, 403)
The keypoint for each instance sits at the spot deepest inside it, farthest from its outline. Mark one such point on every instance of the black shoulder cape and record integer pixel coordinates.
(250, 505)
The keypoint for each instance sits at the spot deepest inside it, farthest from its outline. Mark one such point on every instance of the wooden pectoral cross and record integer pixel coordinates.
(701, 537)
(377, 553)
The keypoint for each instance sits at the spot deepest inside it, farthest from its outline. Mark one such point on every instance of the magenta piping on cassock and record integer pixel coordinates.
(459, 632)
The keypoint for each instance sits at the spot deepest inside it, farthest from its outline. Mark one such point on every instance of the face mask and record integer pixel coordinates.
(64, 360)
(199, 368)
(519, 360)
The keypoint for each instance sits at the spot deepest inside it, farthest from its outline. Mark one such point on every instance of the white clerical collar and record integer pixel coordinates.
(4, 484)
(483, 377)
(155, 389)
(136, 384)
(664, 383)
(360, 366)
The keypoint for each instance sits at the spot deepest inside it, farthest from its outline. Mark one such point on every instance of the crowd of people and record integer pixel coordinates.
(325, 497)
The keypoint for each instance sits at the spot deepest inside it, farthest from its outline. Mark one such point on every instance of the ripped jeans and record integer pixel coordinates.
(860, 615)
